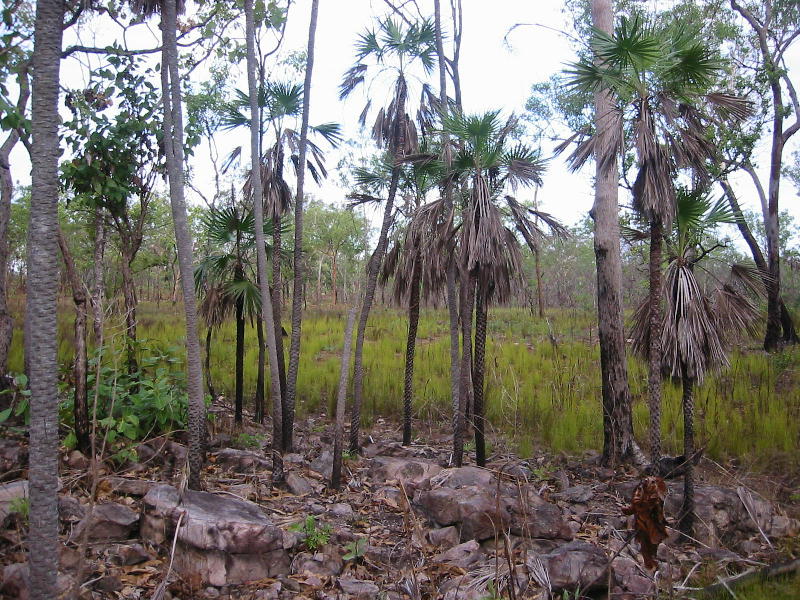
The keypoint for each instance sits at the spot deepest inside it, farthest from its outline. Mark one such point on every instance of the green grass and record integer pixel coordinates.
(538, 394)
(787, 588)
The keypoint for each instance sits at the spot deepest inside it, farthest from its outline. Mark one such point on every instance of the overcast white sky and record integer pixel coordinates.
(494, 76)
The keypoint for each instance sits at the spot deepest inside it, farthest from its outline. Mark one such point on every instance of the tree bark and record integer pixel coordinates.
(209, 382)
(277, 309)
(618, 442)
(80, 367)
(465, 385)
(129, 295)
(687, 510)
(341, 398)
(299, 262)
(98, 295)
(41, 303)
(261, 253)
(173, 137)
(654, 382)
(239, 391)
(260, 379)
(411, 341)
(478, 373)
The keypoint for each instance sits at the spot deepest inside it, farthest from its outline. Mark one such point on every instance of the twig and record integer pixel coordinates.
(158, 594)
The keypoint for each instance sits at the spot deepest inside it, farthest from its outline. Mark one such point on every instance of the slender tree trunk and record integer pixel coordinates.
(277, 308)
(6, 193)
(373, 267)
(260, 380)
(41, 304)
(787, 323)
(687, 510)
(411, 343)
(478, 373)
(465, 386)
(450, 275)
(299, 263)
(209, 382)
(261, 253)
(341, 399)
(654, 349)
(129, 295)
(539, 294)
(333, 280)
(618, 442)
(239, 392)
(173, 137)
(80, 368)
(319, 283)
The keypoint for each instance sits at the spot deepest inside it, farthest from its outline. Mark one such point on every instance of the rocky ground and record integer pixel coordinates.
(405, 526)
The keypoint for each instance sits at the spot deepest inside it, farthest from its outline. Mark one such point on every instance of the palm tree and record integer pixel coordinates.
(661, 83)
(228, 280)
(484, 163)
(40, 307)
(698, 322)
(396, 47)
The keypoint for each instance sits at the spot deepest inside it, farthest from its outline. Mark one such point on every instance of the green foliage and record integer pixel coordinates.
(248, 441)
(20, 399)
(355, 549)
(20, 506)
(314, 536)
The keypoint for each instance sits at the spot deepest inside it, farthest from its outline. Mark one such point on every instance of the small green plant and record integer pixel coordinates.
(349, 455)
(248, 441)
(314, 536)
(491, 593)
(355, 549)
(20, 506)
(20, 396)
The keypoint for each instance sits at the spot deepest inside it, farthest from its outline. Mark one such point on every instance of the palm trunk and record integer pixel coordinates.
(6, 193)
(262, 357)
(654, 349)
(687, 510)
(41, 304)
(239, 392)
(80, 368)
(209, 383)
(450, 275)
(299, 264)
(618, 441)
(465, 385)
(173, 136)
(261, 253)
(373, 267)
(478, 373)
(277, 301)
(341, 398)
(411, 341)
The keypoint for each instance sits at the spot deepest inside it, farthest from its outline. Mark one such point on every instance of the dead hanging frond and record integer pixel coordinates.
(390, 262)
(531, 224)
(357, 199)
(731, 107)
(352, 79)
(216, 305)
(735, 308)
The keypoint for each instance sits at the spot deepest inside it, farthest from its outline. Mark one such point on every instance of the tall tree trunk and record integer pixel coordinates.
(373, 267)
(787, 323)
(333, 280)
(450, 275)
(129, 295)
(260, 379)
(539, 294)
(80, 367)
(341, 399)
(618, 442)
(654, 349)
(411, 342)
(173, 137)
(209, 383)
(687, 510)
(239, 391)
(40, 314)
(299, 262)
(277, 309)
(465, 386)
(6, 193)
(261, 253)
(478, 373)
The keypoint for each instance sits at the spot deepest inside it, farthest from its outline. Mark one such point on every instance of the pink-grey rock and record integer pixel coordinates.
(443, 537)
(242, 461)
(576, 564)
(299, 485)
(359, 589)
(107, 522)
(413, 474)
(462, 556)
(326, 562)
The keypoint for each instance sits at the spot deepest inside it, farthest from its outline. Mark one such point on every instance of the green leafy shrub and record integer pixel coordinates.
(314, 536)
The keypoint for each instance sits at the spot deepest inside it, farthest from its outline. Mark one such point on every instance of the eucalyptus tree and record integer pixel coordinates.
(41, 303)
(699, 319)
(394, 47)
(663, 83)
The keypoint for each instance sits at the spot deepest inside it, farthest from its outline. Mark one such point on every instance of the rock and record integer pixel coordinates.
(108, 522)
(212, 592)
(10, 493)
(125, 486)
(576, 493)
(463, 477)
(461, 588)
(70, 509)
(242, 461)
(327, 562)
(358, 588)
(77, 460)
(299, 485)
(783, 526)
(413, 474)
(108, 585)
(576, 564)
(224, 540)
(630, 578)
(68, 558)
(461, 556)
(444, 537)
(15, 582)
(13, 456)
(271, 592)
(128, 555)
(323, 464)
(562, 479)
(341, 509)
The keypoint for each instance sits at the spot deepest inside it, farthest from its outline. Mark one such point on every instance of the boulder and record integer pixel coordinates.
(631, 579)
(299, 485)
(462, 556)
(70, 509)
(77, 460)
(13, 456)
(341, 510)
(326, 562)
(323, 464)
(575, 494)
(359, 589)
(242, 461)
(107, 522)
(577, 564)
(444, 537)
(125, 486)
(413, 474)
(222, 539)
(464, 476)
(16, 580)
(130, 554)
